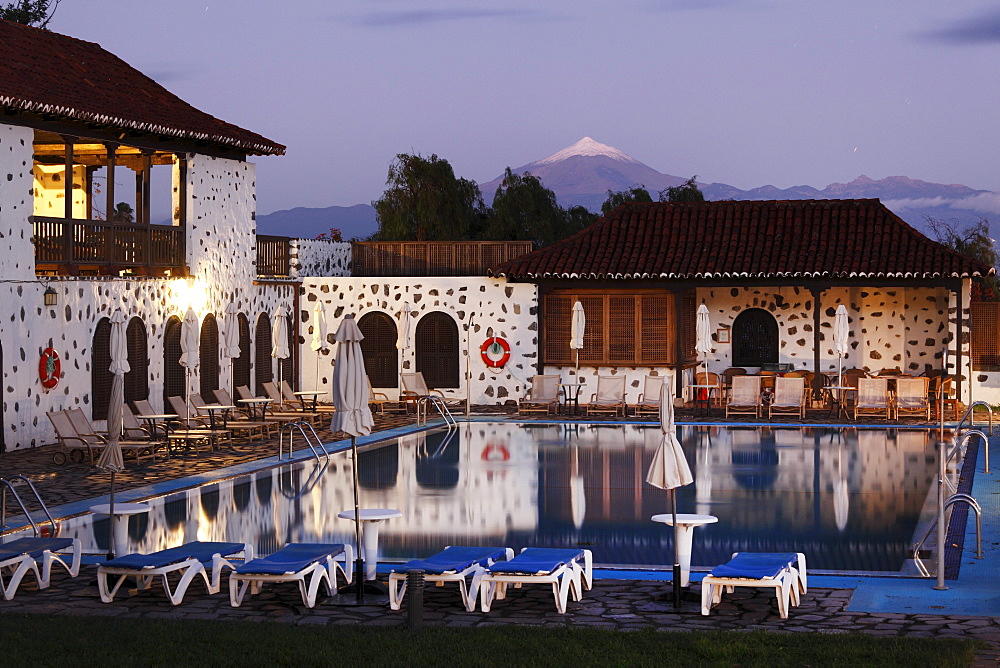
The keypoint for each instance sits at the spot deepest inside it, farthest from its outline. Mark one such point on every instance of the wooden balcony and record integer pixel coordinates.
(76, 247)
(432, 258)
(273, 255)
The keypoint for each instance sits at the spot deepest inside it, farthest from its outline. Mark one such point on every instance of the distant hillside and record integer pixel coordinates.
(354, 222)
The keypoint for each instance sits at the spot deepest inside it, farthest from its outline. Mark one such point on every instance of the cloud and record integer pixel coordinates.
(428, 16)
(986, 203)
(981, 29)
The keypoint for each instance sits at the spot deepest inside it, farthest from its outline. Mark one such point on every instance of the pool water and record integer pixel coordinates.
(851, 499)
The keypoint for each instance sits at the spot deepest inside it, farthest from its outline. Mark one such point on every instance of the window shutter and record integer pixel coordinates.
(288, 364)
(656, 327)
(100, 369)
(379, 349)
(137, 379)
(622, 329)
(437, 350)
(173, 372)
(262, 360)
(558, 323)
(241, 364)
(755, 338)
(593, 333)
(208, 357)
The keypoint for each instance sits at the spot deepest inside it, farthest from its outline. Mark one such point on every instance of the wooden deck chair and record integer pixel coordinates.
(85, 430)
(610, 396)
(301, 403)
(873, 398)
(542, 397)
(233, 420)
(789, 396)
(744, 399)
(279, 403)
(379, 401)
(911, 397)
(727, 379)
(414, 387)
(649, 398)
(941, 389)
(714, 389)
(269, 412)
(195, 428)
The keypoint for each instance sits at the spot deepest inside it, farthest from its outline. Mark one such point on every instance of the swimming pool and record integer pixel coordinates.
(851, 499)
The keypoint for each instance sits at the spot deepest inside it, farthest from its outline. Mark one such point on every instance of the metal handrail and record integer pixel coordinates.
(440, 405)
(9, 484)
(968, 415)
(952, 500)
(300, 426)
(960, 443)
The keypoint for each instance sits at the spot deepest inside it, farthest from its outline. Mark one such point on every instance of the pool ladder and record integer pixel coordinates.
(952, 500)
(440, 405)
(8, 483)
(308, 433)
(971, 418)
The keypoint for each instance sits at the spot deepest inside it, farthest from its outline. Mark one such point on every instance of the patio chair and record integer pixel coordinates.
(233, 419)
(649, 398)
(941, 389)
(415, 387)
(727, 379)
(302, 403)
(785, 573)
(194, 425)
(191, 560)
(96, 441)
(744, 399)
(279, 403)
(911, 397)
(712, 387)
(542, 397)
(569, 571)
(873, 398)
(789, 397)
(21, 556)
(378, 401)
(453, 564)
(268, 412)
(610, 396)
(307, 564)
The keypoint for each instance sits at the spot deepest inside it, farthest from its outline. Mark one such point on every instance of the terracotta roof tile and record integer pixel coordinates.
(44, 72)
(797, 238)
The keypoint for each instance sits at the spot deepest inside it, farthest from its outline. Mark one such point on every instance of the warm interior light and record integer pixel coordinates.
(51, 296)
(189, 293)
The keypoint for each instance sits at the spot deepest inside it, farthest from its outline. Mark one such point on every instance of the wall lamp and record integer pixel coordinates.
(51, 296)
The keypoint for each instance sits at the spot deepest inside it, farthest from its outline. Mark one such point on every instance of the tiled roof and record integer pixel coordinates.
(779, 239)
(48, 73)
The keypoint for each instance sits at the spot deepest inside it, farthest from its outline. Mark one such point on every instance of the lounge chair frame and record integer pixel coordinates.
(744, 398)
(873, 398)
(649, 398)
(610, 396)
(459, 574)
(914, 400)
(789, 583)
(542, 396)
(566, 576)
(309, 578)
(20, 557)
(789, 397)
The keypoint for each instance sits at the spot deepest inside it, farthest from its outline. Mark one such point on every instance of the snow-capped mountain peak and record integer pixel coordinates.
(588, 147)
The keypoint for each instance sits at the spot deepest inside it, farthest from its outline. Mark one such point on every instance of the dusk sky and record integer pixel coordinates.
(744, 92)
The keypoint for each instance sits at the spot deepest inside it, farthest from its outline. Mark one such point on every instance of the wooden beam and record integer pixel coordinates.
(109, 191)
(68, 178)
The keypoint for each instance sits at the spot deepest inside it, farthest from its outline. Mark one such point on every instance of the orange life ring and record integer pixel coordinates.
(495, 345)
(495, 453)
(49, 368)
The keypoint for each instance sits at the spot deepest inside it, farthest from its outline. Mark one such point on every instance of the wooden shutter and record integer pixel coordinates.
(593, 334)
(288, 364)
(208, 357)
(173, 372)
(437, 350)
(657, 328)
(622, 329)
(137, 379)
(689, 326)
(241, 364)
(100, 369)
(379, 349)
(557, 321)
(984, 317)
(264, 372)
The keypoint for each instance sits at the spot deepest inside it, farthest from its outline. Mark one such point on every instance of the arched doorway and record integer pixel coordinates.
(173, 372)
(264, 370)
(208, 357)
(437, 350)
(755, 338)
(379, 349)
(137, 378)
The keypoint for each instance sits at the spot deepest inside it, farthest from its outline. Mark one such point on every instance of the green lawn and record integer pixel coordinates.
(74, 641)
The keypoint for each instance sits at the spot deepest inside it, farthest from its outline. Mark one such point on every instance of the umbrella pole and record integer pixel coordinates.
(677, 561)
(111, 515)
(359, 563)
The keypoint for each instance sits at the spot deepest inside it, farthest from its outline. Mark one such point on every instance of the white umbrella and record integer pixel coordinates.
(319, 342)
(841, 495)
(841, 334)
(189, 352)
(669, 471)
(703, 338)
(403, 336)
(577, 491)
(231, 347)
(279, 341)
(578, 326)
(111, 457)
(352, 415)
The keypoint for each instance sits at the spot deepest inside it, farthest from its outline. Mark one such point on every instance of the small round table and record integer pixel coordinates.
(313, 396)
(157, 420)
(370, 519)
(839, 400)
(252, 405)
(571, 394)
(119, 523)
(707, 402)
(685, 524)
(211, 409)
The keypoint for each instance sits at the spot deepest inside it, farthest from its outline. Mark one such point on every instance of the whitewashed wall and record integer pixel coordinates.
(17, 255)
(320, 257)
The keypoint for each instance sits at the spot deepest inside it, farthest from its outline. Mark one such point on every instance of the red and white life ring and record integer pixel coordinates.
(49, 368)
(495, 453)
(495, 352)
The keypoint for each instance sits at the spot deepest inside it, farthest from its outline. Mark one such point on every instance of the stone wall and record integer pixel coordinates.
(321, 257)
(17, 255)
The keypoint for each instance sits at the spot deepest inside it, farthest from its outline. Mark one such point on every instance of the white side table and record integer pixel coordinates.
(685, 524)
(370, 519)
(119, 523)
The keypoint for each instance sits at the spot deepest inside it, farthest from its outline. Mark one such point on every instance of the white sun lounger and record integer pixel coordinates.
(453, 564)
(783, 572)
(567, 570)
(20, 557)
(296, 562)
(190, 560)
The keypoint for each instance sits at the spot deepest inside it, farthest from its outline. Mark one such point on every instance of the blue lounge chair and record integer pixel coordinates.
(453, 564)
(296, 562)
(191, 560)
(568, 571)
(784, 572)
(20, 557)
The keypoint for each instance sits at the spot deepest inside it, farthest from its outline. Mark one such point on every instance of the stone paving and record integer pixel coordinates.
(616, 604)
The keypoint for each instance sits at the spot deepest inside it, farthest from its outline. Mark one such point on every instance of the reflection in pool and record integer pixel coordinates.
(849, 498)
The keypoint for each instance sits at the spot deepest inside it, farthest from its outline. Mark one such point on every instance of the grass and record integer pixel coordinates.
(75, 641)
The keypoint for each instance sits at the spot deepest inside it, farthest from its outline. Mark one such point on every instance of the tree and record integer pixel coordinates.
(525, 210)
(575, 219)
(633, 194)
(36, 13)
(426, 202)
(973, 241)
(686, 192)
(123, 213)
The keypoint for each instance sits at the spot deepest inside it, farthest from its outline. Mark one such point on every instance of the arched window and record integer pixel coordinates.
(100, 370)
(137, 379)
(173, 372)
(208, 357)
(264, 371)
(437, 350)
(755, 338)
(379, 349)
(241, 364)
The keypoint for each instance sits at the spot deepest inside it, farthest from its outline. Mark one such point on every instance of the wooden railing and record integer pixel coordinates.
(432, 258)
(273, 255)
(98, 248)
